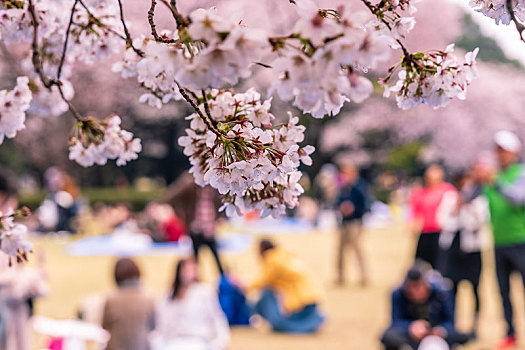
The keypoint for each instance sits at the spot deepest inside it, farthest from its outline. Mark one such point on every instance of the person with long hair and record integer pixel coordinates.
(462, 216)
(190, 317)
(128, 312)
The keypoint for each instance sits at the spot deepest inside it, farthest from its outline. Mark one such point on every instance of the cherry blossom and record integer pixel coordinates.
(432, 78)
(94, 142)
(13, 106)
(319, 60)
(497, 9)
(13, 236)
(252, 164)
(319, 63)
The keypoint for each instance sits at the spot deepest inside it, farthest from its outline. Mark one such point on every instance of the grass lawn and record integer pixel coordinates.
(356, 315)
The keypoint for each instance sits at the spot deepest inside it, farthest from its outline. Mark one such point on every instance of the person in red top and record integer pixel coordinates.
(424, 203)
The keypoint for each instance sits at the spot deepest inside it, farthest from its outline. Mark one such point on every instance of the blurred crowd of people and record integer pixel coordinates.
(193, 315)
(448, 219)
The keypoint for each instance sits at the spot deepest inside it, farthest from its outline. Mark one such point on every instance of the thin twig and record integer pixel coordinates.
(207, 107)
(192, 94)
(37, 64)
(151, 21)
(519, 26)
(99, 23)
(204, 118)
(180, 19)
(129, 41)
(72, 108)
(35, 58)
(64, 49)
(374, 9)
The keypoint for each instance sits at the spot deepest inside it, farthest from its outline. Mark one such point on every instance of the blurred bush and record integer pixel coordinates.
(137, 199)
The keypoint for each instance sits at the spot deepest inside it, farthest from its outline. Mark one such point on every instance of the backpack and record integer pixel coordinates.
(233, 303)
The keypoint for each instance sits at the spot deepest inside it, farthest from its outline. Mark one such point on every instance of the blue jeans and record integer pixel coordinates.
(306, 320)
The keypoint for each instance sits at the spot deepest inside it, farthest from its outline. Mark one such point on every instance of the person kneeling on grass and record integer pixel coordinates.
(285, 277)
(420, 309)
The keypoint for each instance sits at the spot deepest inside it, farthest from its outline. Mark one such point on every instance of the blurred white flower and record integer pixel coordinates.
(13, 106)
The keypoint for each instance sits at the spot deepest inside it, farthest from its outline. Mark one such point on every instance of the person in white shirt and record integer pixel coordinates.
(462, 215)
(190, 318)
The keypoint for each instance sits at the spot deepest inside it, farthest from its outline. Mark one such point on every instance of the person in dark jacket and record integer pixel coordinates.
(420, 309)
(352, 204)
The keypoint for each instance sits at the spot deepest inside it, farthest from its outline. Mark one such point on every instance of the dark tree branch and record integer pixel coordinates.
(519, 26)
(37, 64)
(98, 22)
(186, 95)
(374, 10)
(129, 41)
(207, 107)
(64, 50)
(151, 21)
(179, 19)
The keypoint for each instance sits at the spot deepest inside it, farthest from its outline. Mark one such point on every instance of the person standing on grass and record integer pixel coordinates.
(424, 203)
(505, 191)
(352, 204)
(198, 207)
(129, 312)
(290, 293)
(462, 216)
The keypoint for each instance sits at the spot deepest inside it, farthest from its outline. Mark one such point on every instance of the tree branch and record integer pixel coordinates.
(519, 26)
(35, 57)
(374, 9)
(151, 21)
(194, 105)
(129, 41)
(37, 64)
(64, 50)
(98, 22)
(207, 107)
(179, 19)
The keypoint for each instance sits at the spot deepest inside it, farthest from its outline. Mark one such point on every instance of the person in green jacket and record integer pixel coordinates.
(505, 191)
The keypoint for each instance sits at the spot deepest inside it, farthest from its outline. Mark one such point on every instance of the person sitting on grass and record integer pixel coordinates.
(190, 318)
(285, 277)
(420, 309)
(129, 310)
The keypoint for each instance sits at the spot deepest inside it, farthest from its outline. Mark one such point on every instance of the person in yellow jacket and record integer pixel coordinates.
(290, 293)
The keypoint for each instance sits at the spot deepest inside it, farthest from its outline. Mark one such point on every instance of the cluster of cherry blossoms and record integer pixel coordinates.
(13, 236)
(319, 64)
(93, 30)
(93, 34)
(434, 78)
(497, 9)
(13, 106)
(253, 164)
(92, 39)
(211, 52)
(94, 142)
